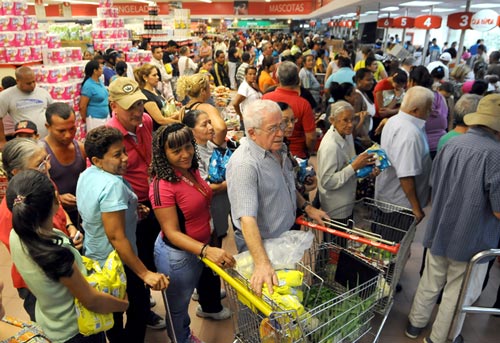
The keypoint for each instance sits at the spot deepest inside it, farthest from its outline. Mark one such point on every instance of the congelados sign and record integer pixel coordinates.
(132, 9)
(286, 8)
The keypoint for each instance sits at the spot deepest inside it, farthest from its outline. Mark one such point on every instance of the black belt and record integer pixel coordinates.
(167, 242)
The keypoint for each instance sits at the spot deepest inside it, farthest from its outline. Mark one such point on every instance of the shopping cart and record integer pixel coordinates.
(379, 233)
(334, 310)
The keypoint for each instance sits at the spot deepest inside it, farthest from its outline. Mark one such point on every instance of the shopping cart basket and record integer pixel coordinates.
(332, 311)
(379, 233)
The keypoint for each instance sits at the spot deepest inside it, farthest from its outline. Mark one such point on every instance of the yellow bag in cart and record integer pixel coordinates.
(109, 279)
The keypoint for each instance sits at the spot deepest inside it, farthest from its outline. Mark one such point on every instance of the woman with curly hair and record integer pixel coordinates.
(197, 88)
(181, 201)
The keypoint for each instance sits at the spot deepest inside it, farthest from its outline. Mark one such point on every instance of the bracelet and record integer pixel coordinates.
(71, 224)
(304, 205)
(202, 252)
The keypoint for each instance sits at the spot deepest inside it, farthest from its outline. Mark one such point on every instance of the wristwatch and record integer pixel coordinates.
(304, 205)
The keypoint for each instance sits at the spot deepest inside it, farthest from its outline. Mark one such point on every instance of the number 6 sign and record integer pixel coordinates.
(384, 22)
(428, 22)
(460, 20)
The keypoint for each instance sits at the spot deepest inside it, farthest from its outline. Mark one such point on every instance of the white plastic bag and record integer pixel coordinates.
(284, 252)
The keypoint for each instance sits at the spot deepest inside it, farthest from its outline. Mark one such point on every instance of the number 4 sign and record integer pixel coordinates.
(460, 20)
(428, 22)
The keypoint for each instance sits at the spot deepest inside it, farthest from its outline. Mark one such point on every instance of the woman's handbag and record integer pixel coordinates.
(111, 279)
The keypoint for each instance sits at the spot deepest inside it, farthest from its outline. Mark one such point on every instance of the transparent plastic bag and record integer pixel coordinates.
(284, 252)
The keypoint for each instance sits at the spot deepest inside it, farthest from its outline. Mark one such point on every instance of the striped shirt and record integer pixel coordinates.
(258, 186)
(466, 191)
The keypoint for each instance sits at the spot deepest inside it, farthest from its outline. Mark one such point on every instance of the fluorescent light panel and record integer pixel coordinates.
(438, 10)
(486, 6)
(420, 3)
(390, 9)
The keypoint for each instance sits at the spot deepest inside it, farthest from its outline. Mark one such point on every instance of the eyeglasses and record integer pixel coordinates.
(288, 121)
(43, 165)
(274, 128)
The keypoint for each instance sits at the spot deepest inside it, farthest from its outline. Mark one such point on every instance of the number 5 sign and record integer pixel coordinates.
(460, 20)
(404, 22)
(428, 22)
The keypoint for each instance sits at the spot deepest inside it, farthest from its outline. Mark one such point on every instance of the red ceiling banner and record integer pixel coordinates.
(403, 22)
(385, 22)
(428, 22)
(460, 20)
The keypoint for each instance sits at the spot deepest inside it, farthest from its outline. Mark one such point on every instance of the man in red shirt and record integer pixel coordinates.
(303, 139)
(127, 103)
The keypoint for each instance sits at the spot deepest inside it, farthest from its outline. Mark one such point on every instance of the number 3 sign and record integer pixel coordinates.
(428, 22)
(460, 20)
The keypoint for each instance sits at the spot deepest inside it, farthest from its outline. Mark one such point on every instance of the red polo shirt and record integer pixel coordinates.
(305, 118)
(139, 150)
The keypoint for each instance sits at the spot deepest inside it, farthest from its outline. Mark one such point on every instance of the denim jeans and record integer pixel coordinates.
(184, 270)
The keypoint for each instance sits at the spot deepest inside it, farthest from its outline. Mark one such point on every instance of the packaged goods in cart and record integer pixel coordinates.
(381, 161)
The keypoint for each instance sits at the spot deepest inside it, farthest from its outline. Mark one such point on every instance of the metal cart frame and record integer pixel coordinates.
(379, 233)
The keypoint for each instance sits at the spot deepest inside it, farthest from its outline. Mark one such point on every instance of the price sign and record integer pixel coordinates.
(460, 20)
(330, 23)
(428, 22)
(312, 23)
(403, 22)
(385, 22)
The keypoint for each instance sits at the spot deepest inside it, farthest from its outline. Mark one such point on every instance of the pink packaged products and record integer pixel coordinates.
(4, 23)
(30, 22)
(16, 23)
(53, 41)
(3, 56)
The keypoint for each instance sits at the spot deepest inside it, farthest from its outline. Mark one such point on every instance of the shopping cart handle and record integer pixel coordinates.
(260, 304)
(393, 249)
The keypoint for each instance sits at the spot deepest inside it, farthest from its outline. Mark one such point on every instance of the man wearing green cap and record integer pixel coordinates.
(464, 220)
(127, 104)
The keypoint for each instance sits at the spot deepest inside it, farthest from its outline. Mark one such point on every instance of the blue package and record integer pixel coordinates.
(217, 165)
(304, 170)
(382, 161)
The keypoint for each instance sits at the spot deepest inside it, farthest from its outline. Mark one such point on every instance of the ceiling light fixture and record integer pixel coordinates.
(487, 5)
(439, 10)
(206, 1)
(420, 3)
(390, 9)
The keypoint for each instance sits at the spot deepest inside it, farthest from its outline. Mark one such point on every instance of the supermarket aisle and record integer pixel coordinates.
(477, 329)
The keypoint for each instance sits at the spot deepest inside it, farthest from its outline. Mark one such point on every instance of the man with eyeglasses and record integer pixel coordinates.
(261, 188)
(127, 104)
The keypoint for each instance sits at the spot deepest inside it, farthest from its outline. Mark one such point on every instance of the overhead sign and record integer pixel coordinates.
(403, 22)
(385, 22)
(460, 20)
(484, 20)
(428, 22)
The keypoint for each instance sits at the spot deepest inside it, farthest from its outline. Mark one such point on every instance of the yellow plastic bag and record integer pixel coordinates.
(109, 279)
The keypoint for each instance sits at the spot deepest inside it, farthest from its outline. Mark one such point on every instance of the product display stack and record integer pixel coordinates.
(62, 74)
(21, 41)
(153, 27)
(108, 31)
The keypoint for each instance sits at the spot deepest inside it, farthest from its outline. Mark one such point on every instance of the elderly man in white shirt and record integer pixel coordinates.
(406, 181)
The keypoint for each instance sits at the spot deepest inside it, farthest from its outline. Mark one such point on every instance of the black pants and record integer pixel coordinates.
(209, 291)
(29, 302)
(137, 313)
(97, 338)
(146, 233)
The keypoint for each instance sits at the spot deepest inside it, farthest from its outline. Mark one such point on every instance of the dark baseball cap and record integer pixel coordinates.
(25, 126)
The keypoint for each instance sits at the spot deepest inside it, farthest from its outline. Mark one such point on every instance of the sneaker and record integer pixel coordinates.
(156, 322)
(412, 331)
(152, 301)
(193, 339)
(222, 315)
(196, 296)
(428, 340)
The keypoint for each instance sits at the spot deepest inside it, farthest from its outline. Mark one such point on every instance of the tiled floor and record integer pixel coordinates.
(477, 329)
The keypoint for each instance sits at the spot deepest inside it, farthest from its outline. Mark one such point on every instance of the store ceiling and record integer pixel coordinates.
(347, 8)
(442, 7)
